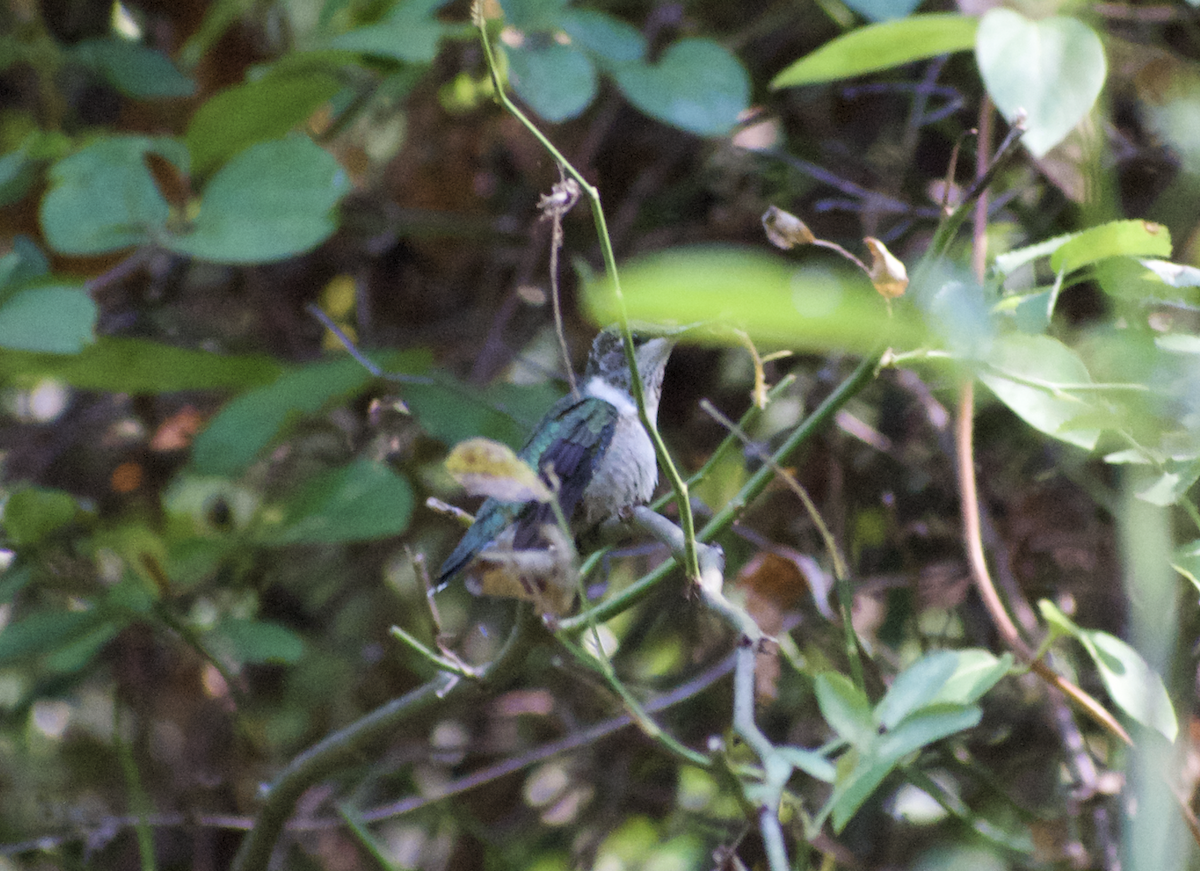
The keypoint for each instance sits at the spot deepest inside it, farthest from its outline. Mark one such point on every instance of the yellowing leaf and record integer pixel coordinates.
(487, 468)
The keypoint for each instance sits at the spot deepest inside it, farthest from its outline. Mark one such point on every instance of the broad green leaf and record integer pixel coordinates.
(1030, 311)
(845, 708)
(358, 502)
(556, 81)
(1186, 561)
(410, 32)
(778, 302)
(138, 366)
(258, 111)
(1133, 238)
(255, 642)
(274, 200)
(697, 85)
(531, 15)
(54, 319)
(977, 672)
(42, 632)
(18, 171)
(1010, 261)
(24, 263)
(857, 785)
(610, 39)
(880, 47)
(247, 424)
(1034, 376)
(102, 198)
(1052, 70)
(134, 69)
(915, 687)
(81, 651)
(32, 513)
(883, 10)
(504, 412)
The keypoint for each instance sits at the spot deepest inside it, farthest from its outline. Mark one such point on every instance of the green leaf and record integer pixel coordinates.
(55, 319)
(410, 32)
(257, 111)
(697, 85)
(845, 708)
(856, 786)
(925, 726)
(1186, 561)
(883, 10)
(138, 366)
(358, 502)
(1033, 375)
(609, 38)
(272, 201)
(1177, 478)
(915, 687)
(1052, 70)
(32, 513)
(531, 15)
(557, 81)
(880, 47)
(1131, 683)
(247, 424)
(42, 632)
(21, 265)
(504, 412)
(810, 762)
(134, 69)
(1113, 239)
(977, 672)
(14, 579)
(103, 198)
(256, 642)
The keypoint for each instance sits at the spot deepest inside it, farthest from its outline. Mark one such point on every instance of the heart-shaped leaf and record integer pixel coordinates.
(883, 10)
(557, 81)
(1052, 70)
(697, 86)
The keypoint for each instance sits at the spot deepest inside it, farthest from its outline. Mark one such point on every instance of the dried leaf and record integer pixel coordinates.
(487, 468)
(887, 273)
(785, 230)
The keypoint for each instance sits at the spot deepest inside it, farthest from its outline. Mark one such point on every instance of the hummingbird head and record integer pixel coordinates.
(607, 362)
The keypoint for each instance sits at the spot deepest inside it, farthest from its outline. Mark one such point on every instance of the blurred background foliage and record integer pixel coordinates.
(212, 514)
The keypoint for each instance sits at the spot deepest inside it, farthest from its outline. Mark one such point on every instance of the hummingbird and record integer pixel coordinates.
(591, 445)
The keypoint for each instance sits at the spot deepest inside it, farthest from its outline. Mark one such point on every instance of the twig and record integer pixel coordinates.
(561, 199)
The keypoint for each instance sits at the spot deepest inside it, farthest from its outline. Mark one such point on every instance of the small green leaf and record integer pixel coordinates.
(32, 513)
(1177, 478)
(23, 264)
(557, 81)
(54, 319)
(1034, 376)
(859, 782)
(358, 502)
(137, 366)
(1116, 238)
(257, 111)
(134, 69)
(1052, 70)
(102, 198)
(880, 47)
(609, 38)
(274, 200)
(697, 85)
(42, 632)
(845, 708)
(531, 15)
(915, 687)
(256, 642)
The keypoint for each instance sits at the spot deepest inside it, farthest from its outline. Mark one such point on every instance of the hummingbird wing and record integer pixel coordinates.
(570, 440)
